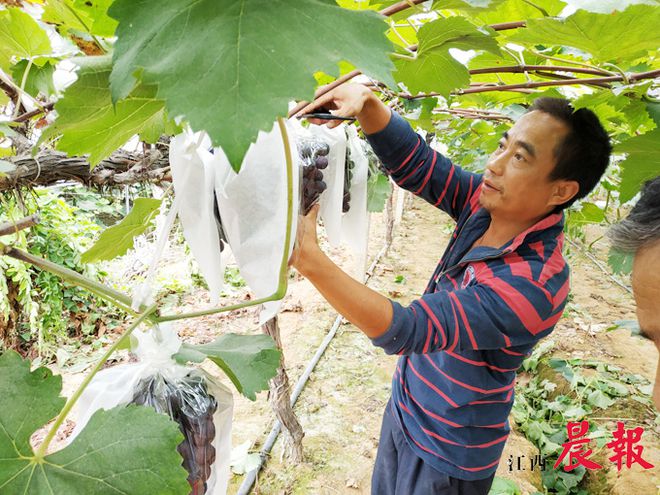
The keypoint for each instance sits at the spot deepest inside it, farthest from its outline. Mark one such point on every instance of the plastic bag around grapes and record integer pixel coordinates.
(201, 406)
(253, 207)
(332, 199)
(355, 222)
(193, 178)
(313, 155)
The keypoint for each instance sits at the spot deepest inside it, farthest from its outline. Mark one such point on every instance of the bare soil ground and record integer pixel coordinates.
(341, 407)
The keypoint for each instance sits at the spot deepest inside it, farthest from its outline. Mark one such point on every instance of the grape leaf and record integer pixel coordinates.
(98, 460)
(619, 36)
(116, 240)
(248, 360)
(378, 190)
(621, 263)
(606, 6)
(503, 486)
(642, 163)
(599, 399)
(89, 123)
(80, 16)
(39, 79)
(20, 37)
(503, 10)
(231, 67)
(434, 69)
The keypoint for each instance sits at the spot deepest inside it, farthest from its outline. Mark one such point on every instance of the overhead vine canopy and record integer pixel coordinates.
(230, 68)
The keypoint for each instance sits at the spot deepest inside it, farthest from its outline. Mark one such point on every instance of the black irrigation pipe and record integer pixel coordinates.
(251, 477)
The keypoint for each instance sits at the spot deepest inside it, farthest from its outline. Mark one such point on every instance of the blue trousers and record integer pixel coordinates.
(399, 471)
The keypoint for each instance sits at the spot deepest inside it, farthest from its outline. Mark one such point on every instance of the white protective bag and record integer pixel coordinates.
(355, 222)
(253, 210)
(123, 384)
(332, 198)
(193, 178)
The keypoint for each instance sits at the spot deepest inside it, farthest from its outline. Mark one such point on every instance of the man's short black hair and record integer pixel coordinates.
(583, 155)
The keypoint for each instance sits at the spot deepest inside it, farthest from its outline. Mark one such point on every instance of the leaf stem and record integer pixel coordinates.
(17, 108)
(280, 292)
(41, 452)
(573, 62)
(117, 298)
(537, 7)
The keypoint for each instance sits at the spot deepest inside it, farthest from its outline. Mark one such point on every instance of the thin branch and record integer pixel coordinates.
(566, 61)
(399, 7)
(9, 228)
(37, 111)
(505, 26)
(564, 82)
(541, 84)
(515, 69)
(550, 75)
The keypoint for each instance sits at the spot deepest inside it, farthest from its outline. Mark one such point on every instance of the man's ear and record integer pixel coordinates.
(564, 190)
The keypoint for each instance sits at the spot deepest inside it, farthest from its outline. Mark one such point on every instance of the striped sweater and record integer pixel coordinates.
(481, 314)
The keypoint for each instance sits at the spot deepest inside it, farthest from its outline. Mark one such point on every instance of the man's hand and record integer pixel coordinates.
(351, 100)
(307, 247)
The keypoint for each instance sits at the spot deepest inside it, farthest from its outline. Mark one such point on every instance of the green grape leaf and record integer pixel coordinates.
(20, 37)
(588, 213)
(620, 262)
(378, 190)
(503, 486)
(80, 16)
(230, 68)
(434, 69)
(87, 120)
(607, 6)
(97, 11)
(503, 10)
(39, 79)
(620, 36)
(599, 399)
(118, 239)
(123, 450)
(248, 360)
(642, 163)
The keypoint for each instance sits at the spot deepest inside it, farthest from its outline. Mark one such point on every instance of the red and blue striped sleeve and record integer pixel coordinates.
(418, 168)
(495, 313)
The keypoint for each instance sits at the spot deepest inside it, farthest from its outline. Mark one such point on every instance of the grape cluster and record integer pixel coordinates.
(315, 159)
(189, 404)
(349, 165)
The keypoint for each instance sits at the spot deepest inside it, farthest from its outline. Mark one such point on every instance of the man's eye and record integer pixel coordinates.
(519, 157)
(500, 146)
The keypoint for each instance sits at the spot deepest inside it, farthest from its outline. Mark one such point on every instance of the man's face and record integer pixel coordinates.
(516, 181)
(646, 290)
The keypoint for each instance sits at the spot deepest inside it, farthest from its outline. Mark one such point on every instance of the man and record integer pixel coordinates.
(499, 288)
(639, 234)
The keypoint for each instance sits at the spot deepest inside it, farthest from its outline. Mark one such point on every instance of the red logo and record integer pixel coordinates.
(468, 276)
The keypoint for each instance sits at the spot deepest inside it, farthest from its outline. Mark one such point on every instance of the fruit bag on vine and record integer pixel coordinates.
(200, 406)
